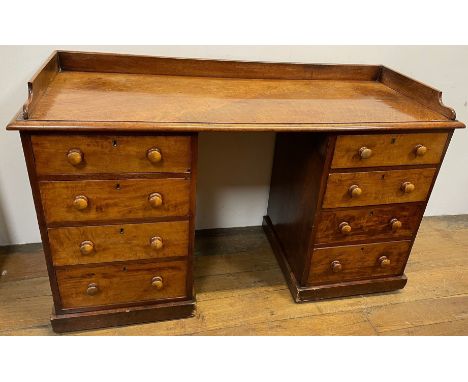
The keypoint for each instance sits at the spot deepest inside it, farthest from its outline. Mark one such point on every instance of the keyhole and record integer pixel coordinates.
(121, 231)
(117, 186)
(114, 143)
(393, 140)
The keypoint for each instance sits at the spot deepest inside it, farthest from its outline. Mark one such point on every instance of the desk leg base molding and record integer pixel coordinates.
(319, 292)
(123, 316)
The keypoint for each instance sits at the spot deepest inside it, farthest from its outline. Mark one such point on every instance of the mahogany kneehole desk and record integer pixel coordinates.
(110, 143)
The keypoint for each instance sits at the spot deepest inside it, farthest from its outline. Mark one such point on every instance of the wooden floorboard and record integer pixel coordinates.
(241, 291)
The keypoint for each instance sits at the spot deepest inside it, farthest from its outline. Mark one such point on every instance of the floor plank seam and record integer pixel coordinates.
(423, 325)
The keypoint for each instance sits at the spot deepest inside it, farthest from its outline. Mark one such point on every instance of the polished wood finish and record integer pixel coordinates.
(102, 88)
(304, 293)
(294, 192)
(131, 64)
(357, 262)
(367, 199)
(86, 247)
(120, 283)
(388, 150)
(375, 223)
(416, 90)
(99, 132)
(123, 97)
(120, 242)
(182, 128)
(38, 85)
(378, 187)
(80, 202)
(75, 157)
(106, 318)
(115, 199)
(434, 302)
(110, 154)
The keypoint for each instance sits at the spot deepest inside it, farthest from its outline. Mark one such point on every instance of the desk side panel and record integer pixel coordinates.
(298, 167)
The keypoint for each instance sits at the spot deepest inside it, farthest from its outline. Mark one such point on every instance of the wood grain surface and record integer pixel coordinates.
(93, 96)
(114, 199)
(118, 242)
(110, 154)
(120, 283)
(368, 223)
(378, 187)
(358, 262)
(388, 149)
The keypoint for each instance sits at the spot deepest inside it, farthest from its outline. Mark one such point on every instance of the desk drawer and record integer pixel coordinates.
(87, 154)
(377, 187)
(97, 244)
(388, 150)
(101, 200)
(86, 286)
(368, 223)
(355, 262)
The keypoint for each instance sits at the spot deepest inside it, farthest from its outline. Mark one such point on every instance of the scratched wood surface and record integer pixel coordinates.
(241, 291)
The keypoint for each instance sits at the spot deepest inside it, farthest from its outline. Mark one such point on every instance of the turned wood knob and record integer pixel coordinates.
(355, 191)
(420, 150)
(345, 228)
(157, 282)
(92, 289)
(86, 247)
(407, 187)
(155, 199)
(336, 266)
(395, 224)
(154, 155)
(75, 157)
(80, 202)
(384, 261)
(365, 152)
(156, 242)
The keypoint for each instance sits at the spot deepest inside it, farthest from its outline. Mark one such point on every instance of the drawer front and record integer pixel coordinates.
(84, 154)
(375, 223)
(355, 262)
(85, 286)
(388, 150)
(377, 187)
(98, 200)
(96, 244)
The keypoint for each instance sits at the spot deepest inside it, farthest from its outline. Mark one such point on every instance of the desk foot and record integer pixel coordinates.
(320, 292)
(62, 323)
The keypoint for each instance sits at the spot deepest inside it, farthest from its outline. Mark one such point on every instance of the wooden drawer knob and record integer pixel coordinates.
(154, 155)
(395, 224)
(155, 199)
(420, 150)
(75, 157)
(86, 247)
(156, 242)
(157, 282)
(407, 187)
(92, 289)
(80, 202)
(355, 191)
(384, 261)
(365, 152)
(345, 228)
(336, 266)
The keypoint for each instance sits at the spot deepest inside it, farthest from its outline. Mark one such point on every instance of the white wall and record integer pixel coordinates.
(234, 169)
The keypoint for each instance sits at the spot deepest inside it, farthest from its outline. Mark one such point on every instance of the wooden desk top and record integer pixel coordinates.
(94, 91)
